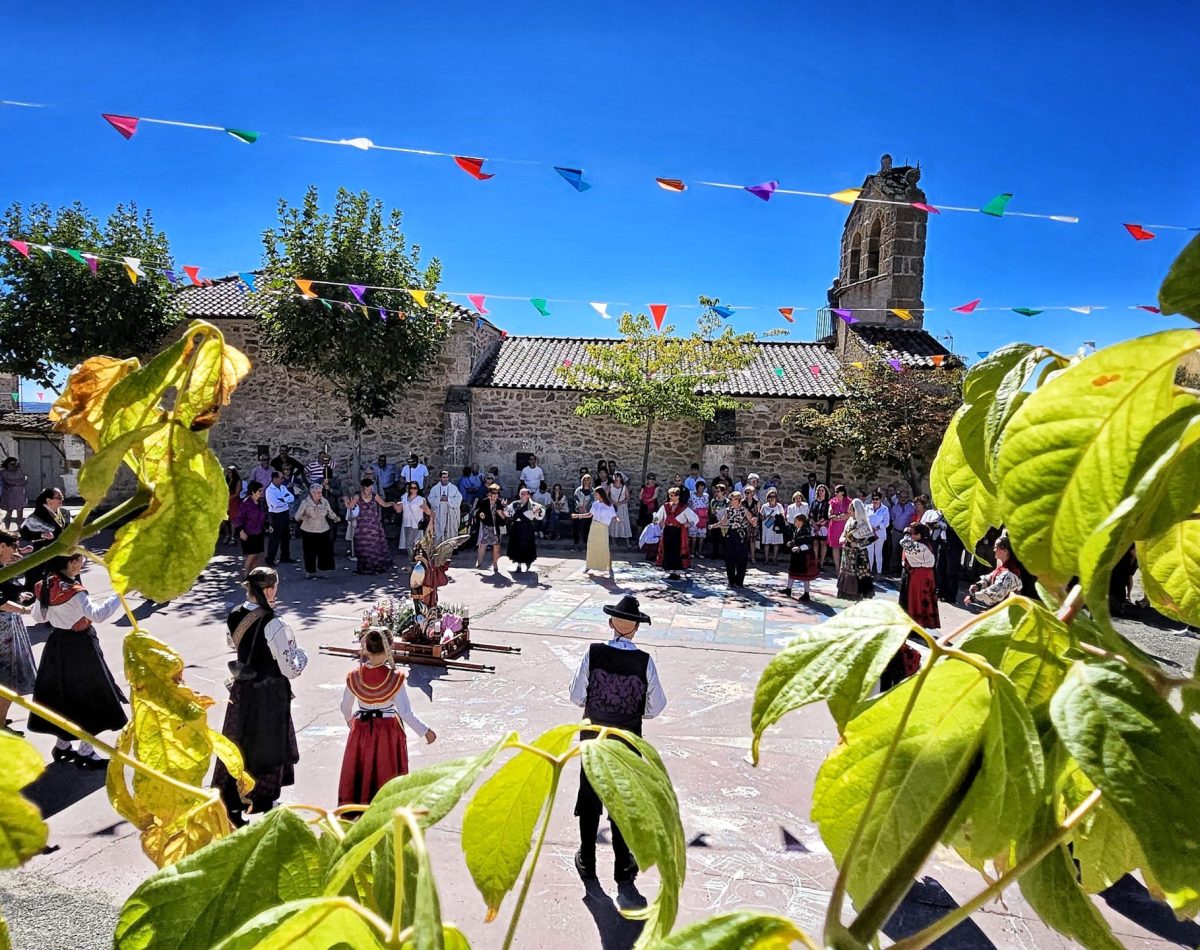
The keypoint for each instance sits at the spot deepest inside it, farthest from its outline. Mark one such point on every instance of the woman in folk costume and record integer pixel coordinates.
(72, 677)
(854, 574)
(1008, 578)
(602, 514)
(698, 502)
(918, 587)
(674, 550)
(17, 670)
(259, 715)
(802, 563)
(370, 543)
(618, 495)
(523, 517)
(374, 703)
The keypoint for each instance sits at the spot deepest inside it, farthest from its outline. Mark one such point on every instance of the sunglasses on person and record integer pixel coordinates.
(493, 491)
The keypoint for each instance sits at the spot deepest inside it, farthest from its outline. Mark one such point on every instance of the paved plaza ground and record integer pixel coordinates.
(750, 841)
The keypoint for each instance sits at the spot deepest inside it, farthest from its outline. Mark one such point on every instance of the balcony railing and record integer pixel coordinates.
(824, 327)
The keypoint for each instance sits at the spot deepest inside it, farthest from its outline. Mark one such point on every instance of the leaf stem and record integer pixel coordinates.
(834, 912)
(398, 827)
(1072, 605)
(124, 604)
(537, 850)
(945, 924)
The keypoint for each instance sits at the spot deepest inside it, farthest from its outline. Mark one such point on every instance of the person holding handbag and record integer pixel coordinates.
(259, 715)
(315, 517)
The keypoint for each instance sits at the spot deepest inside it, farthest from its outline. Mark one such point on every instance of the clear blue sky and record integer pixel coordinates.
(1086, 109)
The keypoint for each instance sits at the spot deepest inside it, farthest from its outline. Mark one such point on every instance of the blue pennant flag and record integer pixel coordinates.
(982, 353)
(478, 322)
(248, 280)
(723, 312)
(574, 178)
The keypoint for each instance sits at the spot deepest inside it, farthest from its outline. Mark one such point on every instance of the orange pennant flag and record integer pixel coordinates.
(787, 313)
(305, 287)
(671, 184)
(938, 359)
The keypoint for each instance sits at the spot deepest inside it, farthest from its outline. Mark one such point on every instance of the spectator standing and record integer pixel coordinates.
(284, 460)
(839, 514)
(693, 476)
(261, 472)
(772, 516)
(384, 478)
(901, 514)
(415, 517)
(819, 519)
(880, 520)
(542, 497)
(532, 475)
(581, 511)
(619, 528)
(12, 491)
(233, 482)
(470, 486)
(810, 489)
(414, 471)
(648, 500)
(798, 507)
(717, 506)
(279, 513)
(559, 510)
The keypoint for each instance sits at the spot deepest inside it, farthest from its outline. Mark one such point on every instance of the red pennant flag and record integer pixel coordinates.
(671, 184)
(21, 247)
(193, 272)
(1139, 233)
(473, 167)
(125, 124)
(787, 313)
(1148, 308)
(659, 312)
(928, 209)
(968, 307)
(938, 359)
(815, 370)
(503, 334)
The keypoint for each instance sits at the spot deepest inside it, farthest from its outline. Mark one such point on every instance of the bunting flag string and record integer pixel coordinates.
(127, 126)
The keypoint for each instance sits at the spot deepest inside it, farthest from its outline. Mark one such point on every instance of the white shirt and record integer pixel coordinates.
(542, 498)
(684, 517)
(796, 509)
(279, 499)
(880, 518)
(399, 705)
(282, 644)
(65, 616)
(447, 494)
(532, 477)
(414, 510)
(603, 514)
(417, 473)
(656, 699)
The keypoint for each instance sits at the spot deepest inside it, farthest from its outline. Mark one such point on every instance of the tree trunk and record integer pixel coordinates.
(829, 470)
(356, 464)
(646, 449)
(913, 477)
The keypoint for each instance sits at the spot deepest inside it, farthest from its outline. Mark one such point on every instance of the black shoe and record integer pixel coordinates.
(90, 762)
(628, 896)
(63, 755)
(585, 872)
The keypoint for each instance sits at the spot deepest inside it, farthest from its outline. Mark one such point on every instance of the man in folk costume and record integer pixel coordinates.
(446, 501)
(617, 685)
(674, 550)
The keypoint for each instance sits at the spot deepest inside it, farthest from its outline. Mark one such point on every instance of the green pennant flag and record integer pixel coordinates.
(16, 397)
(779, 372)
(1026, 312)
(996, 206)
(243, 136)
(77, 256)
(540, 305)
(326, 304)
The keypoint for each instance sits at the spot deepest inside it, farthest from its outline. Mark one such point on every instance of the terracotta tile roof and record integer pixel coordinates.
(910, 347)
(529, 362)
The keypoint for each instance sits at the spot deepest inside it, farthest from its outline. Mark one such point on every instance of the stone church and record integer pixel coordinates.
(492, 398)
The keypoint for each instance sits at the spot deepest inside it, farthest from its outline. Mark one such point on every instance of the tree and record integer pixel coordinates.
(889, 420)
(648, 376)
(368, 358)
(54, 311)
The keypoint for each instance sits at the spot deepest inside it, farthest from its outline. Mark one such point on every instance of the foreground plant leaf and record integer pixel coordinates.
(80, 408)
(1180, 291)
(1072, 450)
(937, 748)
(1144, 757)
(194, 904)
(742, 930)
(1105, 849)
(1170, 564)
(980, 387)
(22, 831)
(498, 824)
(318, 924)
(839, 661)
(963, 498)
(638, 794)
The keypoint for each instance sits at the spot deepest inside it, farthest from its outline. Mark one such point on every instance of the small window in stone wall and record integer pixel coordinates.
(873, 241)
(855, 257)
(722, 428)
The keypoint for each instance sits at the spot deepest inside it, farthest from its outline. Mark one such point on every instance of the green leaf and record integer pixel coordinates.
(965, 501)
(1035, 660)
(980, 388)
(640, 798)
(498, 824)
(208, 895)
(1052, 889)
(1144, 757)
(137, 399)
(426, 910)
(742, 930)
(200, 394)
(436, 789)
(1010, 394)
(1180, 291)
(937, 748)
(1005, 795)
(838, 661)
(1170, 564)
(1072, 449)
(5, 938)
(317, 924)
(22, 831)
(990, 634)
(162, 552)
(1106, 849)
(97, 474)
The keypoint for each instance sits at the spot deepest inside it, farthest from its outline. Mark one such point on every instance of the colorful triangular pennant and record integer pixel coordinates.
(723, 312)
(996, 206)
(247, 279)
(125, 124)
(539, 304)
(75, 255)
(133, 267)
(902, 313)
(602, 309)
(846, 196)
(787, 312)
(1083, 310)
(1148, 308)
(921, 206)
(358, 290)
(477, 302)
(93, 262)
(573, 177)
(982, 354)
(779, 371)
(938, 359)
(659, 312)
(763, 190)
(244, 135)
(815, 370)
(305, 286)
(420, 297)
(895, 364)
(325, 303)
(20, 246)
(478, 322)
(671, 184)
(845, 315)
(1139, 233)
(193, 273)
(968, 307)
(383, 314)
(1026, 311)
(473, 167)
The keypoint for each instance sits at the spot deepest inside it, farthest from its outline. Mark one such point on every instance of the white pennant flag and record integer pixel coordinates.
(46, 249)
(1084, 310)
(602, 309)
(134, 264)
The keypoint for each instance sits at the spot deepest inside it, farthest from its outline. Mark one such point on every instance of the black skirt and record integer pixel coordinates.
(672, 548)
(75, 682)
(259, 720)
(522, 544)
(253, 544)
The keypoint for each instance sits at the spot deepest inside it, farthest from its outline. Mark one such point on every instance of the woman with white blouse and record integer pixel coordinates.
(602, 514)
(771, 517)
(414, 509)
(618, 496)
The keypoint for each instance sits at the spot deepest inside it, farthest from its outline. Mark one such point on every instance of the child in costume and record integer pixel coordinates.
(802, 565)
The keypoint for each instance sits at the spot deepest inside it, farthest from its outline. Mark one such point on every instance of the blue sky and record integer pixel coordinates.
(1076, 109)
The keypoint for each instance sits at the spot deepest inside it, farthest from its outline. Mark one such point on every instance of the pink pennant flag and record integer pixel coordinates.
(815, 370)
(921, 206)
(659, 312)
(845, 315)
(763, 190)
(41, 396)
(193, 273)
(358, 290)
(1148, 308)
(477, 302)
(895, 364)
(566, 362)
(93, 262)
(968, 307)
(125, 124)
(21, 247)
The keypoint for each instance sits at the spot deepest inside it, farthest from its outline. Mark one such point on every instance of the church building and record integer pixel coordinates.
(492, 398)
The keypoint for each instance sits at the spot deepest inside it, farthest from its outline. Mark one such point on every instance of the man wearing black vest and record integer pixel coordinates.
(617, 685)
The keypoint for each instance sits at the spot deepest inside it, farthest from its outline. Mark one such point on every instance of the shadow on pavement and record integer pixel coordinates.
(616, 932)
(1130, 898)
(61, 786)
(926, 902)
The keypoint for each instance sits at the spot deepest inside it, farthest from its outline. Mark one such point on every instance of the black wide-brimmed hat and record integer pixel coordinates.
(627, 608)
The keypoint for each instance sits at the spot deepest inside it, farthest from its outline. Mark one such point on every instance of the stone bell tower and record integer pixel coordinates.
(883, 250)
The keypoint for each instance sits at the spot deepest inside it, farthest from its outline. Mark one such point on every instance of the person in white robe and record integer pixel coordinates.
(446, 501)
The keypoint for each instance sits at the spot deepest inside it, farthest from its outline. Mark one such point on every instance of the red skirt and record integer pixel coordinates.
(921, 598)
(376, 752)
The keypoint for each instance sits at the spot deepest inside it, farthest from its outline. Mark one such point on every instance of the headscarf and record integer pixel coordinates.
(859, 527)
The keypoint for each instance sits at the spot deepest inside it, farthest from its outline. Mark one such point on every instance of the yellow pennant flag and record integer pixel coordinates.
(419, 297)
(846, 196)
(133, 275)
(305, 286)
(364, 311)
(857, 365)
(903, 314)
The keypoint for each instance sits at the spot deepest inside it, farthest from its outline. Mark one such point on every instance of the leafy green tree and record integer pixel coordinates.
(55, 312)
(889, 421)
(649, 376)
(368, 359)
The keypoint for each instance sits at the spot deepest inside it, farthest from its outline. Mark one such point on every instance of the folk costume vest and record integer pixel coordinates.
(61, 592)
(374, 686)
(617, 687)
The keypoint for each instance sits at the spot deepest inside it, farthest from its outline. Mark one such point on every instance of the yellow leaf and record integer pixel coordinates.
(22, 831)
(78, 409)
